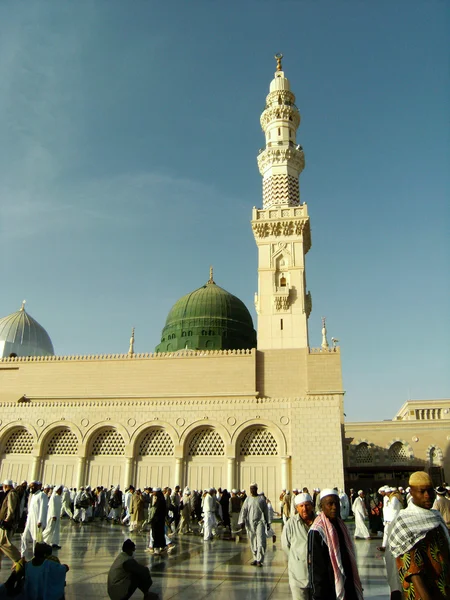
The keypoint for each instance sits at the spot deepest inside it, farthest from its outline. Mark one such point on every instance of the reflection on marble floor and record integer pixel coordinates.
(194, 569)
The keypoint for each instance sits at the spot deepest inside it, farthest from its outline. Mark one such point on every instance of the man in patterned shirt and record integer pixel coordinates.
(420, 543)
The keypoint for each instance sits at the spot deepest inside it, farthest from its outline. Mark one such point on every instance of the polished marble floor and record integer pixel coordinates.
(195, 569)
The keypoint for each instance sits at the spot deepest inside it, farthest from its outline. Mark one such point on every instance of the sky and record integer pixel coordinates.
(129, 131)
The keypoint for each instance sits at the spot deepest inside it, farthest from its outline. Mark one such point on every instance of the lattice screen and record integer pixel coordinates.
(258, 442)
(156, 442)
(206, 442)
(363, 454)
(63, 441)
(108, 442)
(398, 453)
(19, 442)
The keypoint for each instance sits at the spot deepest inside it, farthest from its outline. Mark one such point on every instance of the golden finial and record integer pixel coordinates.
(278, 58)
(211, 275)
(131, 349)
(22, 308)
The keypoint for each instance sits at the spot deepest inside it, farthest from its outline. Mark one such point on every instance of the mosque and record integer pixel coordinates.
(217, 403)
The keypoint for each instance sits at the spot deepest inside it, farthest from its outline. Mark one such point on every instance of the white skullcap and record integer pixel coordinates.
(302, 498)
(381, 489)
(8, 482)
(328, 492)
(234, 491)
(157, 489)
(360, 492)
(254, 485)
(295, 490)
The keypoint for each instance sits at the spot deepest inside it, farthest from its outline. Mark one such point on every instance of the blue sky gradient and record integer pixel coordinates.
(129, 136)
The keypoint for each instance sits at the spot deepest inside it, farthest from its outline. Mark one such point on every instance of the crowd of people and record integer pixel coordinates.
(413, 525)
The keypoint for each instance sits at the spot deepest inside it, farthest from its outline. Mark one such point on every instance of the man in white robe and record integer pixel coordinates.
(209, 515)
(360, 511)
(66, 504)
(294, 541)
(128, 499)
(51, 534)
(37, 517)
(390, 511)
(345, 505)
(255, 516)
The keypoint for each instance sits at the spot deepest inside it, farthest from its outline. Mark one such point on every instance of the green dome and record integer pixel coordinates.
(209, 318)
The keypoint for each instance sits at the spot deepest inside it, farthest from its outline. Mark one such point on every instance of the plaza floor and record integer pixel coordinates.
(195, 569)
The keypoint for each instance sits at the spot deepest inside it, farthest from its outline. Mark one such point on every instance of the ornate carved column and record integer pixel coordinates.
(231, 473)
(178, 479)
(285, 472)
(81, 470)
(129, 472)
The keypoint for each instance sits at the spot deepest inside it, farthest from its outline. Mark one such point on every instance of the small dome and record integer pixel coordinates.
(209, 318)
(21, 335)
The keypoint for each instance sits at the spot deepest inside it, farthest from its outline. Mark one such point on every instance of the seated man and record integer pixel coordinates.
(126, 575)
(45, 577)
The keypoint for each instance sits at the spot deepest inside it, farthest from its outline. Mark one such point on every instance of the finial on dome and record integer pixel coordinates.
(131, 349)
(324, 334)
(23, 305)
(278, 58)
(211, 275)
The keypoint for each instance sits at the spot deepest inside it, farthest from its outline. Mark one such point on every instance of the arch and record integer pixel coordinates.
(272, 427)
(205, 441)
(18, 441)
(186, 435)
(257, 441)
(136, 435)
(62, 442)
(398, 452)
(52, 428)
(363, 454)
(17, 425)
(435, 456)
(155, 441)
(85, 447)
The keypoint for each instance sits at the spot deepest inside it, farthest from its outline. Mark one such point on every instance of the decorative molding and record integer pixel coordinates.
(154, 355)
(278, 228)
(280, 111)
(281, 155)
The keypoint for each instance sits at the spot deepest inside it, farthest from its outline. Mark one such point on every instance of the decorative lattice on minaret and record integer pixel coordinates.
(282, 160)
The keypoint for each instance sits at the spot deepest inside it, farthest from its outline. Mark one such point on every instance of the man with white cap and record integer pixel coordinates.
(333, 573)
(7, 522)
(442, 504)
(255, 516)
(37, 516)
(420, 543)
(294, 542)
(209, 514)
(360, 511)
(390, 511)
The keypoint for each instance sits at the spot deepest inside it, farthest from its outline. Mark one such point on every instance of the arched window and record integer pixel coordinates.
(108, 442)
(397, 453)
(156, 442)
(258, 442)
(63, 442)
(206, 442)
(20, 441)
(363, 454)
(283, 281)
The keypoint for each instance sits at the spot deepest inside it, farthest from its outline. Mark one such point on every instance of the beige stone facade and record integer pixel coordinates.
(220, 418)
(418, 438)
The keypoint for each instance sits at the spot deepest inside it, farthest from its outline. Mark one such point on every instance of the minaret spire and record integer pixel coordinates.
(281, 227)
(324, 344)
(131, 348)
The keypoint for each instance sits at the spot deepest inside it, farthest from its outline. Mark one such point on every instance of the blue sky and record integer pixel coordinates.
(129, 136)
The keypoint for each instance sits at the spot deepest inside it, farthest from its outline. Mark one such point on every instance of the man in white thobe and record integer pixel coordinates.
(51, 533)
(66, 502)
(391, 509)
(37, 516)
(360, 511)
(294, 542)
(255, 516)
(128, 499)
(209, 515)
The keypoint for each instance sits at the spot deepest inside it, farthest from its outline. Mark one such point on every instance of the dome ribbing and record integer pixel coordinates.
(21, 335)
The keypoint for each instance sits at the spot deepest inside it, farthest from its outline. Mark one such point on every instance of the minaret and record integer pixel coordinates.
(281, 228)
